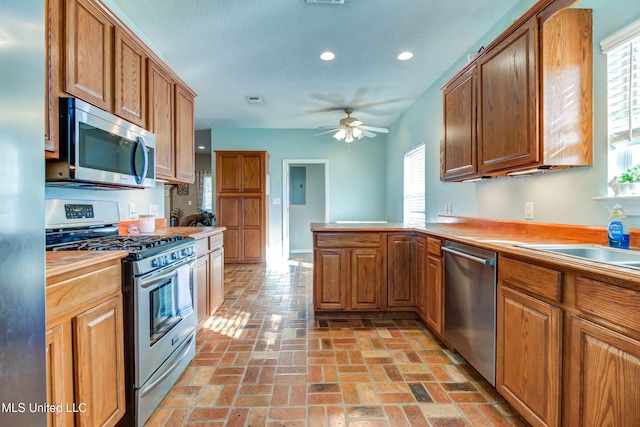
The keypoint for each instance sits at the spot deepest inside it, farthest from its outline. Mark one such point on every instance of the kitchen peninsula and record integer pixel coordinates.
(561, 321)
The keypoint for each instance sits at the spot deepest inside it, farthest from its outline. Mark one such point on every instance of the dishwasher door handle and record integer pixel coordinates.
(473, 258)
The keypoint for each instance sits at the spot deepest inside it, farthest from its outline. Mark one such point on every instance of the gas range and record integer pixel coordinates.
(159, 293)
(92, 226)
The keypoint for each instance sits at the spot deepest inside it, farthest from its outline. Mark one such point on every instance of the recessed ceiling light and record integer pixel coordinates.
(405, 55)
(255, 100)
(201, 147)
(327, 56)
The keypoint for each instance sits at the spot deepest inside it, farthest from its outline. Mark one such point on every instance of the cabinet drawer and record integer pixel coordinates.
(348, 240)
(434, 246)
(202, 246)
(70, 296)
(615, 304)
(215, 241)
(539, 280)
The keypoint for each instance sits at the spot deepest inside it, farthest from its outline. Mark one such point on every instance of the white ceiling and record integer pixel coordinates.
(227, 50)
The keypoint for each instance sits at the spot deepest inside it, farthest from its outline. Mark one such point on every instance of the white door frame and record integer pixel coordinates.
(286, 165)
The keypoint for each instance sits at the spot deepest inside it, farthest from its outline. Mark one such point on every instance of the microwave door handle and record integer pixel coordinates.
(145, 160)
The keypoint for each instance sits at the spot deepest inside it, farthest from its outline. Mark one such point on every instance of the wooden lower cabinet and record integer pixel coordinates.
(401, 271)
(244, 218)
(421, 276)
(216, 276)
(202, 282)
(348, 279)
(434, 307)
(209, 274)
(366, 279)
(99, 359)
(330, 279)
(85, 346)
(56, 360)
(528, 357)
(604, 373)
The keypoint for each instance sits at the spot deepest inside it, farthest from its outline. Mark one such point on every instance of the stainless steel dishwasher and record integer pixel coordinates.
(470, 305)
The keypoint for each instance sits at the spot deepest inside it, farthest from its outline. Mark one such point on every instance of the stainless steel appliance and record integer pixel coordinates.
(22, 266)
(470, 305)
(98, 149)
(159, 296)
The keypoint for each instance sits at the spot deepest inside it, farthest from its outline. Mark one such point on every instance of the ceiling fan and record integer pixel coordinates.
(351, 129)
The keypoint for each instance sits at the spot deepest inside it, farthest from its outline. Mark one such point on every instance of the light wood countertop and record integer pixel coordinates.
(504, 237)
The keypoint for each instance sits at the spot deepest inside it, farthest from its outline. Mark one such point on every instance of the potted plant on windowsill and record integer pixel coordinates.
(631, 180)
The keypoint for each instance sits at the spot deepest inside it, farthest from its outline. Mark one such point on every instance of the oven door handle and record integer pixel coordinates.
(470, 257)
(151, 282)
(185, 352)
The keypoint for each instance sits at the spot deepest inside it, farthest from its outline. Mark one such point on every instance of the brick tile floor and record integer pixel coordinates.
(264, 360)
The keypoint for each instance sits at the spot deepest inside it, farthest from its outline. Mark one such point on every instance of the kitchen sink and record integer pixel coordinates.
(593, 252)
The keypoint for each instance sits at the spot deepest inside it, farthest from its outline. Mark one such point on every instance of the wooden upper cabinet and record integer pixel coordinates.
(507, 99)
(460, 157)
(253, 173)
(160, 118)
(129, 79)
(240, 172)
(567, 85)
(185, 134)
(88, 52)
(526, 102)
(52, 78)
(229, 172)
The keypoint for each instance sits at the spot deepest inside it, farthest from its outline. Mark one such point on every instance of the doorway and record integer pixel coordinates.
(305, 199)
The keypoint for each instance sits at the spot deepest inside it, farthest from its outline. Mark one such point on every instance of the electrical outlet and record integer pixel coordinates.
(154, 210)
(448, 208)
(528, 210)
(132, 211)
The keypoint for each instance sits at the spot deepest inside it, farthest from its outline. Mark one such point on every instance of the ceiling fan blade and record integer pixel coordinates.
(375, 129)
(329, 131)
(368, 134)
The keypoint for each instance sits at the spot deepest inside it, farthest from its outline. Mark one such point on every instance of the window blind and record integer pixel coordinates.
(414, 182)
(623, 83)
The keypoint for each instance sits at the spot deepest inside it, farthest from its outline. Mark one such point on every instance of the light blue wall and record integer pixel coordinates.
(357, 171)
(142, 198)
(559, 196)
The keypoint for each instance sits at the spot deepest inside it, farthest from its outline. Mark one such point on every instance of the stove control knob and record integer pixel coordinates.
(165, 260)
(154, 263)
(175, 255)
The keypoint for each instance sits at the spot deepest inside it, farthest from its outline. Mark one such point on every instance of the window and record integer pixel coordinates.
(207, 194)
(414, 201)
(623, 93)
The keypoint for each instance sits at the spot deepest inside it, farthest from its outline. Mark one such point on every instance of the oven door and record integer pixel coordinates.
(165, 316)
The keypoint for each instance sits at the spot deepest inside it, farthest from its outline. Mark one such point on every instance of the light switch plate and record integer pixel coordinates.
(153, 210)
(528, 210)
(132, 211)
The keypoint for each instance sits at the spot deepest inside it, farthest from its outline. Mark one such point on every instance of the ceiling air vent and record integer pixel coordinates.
(255, 100)
(326, 1)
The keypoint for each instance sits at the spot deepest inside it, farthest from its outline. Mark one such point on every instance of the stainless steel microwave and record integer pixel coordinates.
(98, 149)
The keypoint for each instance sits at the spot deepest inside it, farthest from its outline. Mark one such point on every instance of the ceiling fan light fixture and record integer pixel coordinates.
(403, 56)
(340, 134)
(357, 133)
(327, 55)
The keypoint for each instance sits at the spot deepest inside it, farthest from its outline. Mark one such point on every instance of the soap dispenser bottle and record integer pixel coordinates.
(617, 231)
